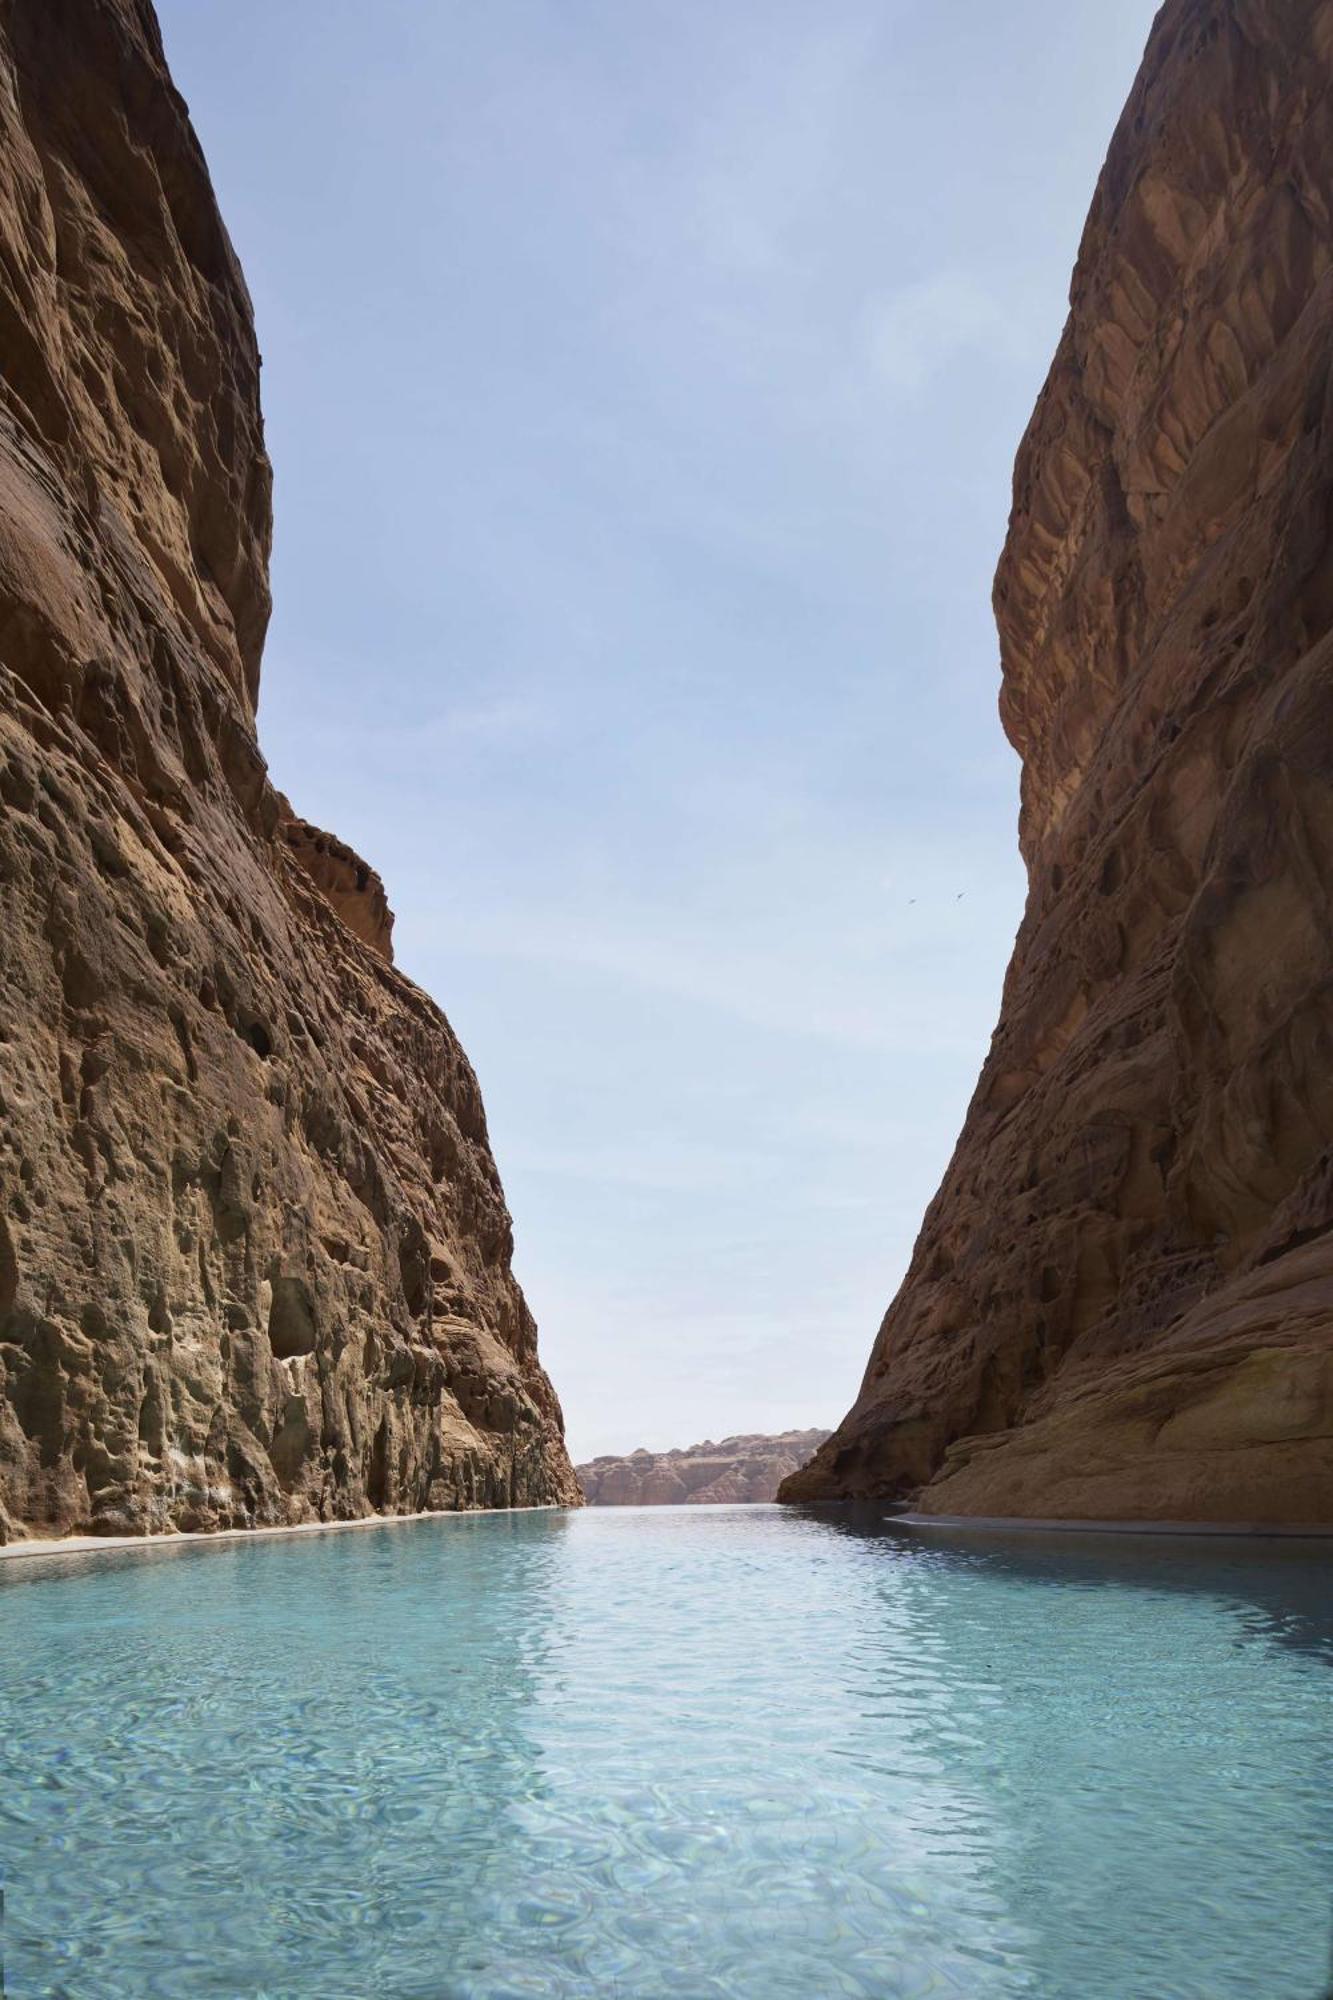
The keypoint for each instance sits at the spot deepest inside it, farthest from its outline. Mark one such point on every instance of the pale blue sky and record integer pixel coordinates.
(643, 382)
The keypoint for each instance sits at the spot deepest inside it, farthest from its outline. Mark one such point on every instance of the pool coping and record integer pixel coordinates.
(1061, 1525)
(176, 1538)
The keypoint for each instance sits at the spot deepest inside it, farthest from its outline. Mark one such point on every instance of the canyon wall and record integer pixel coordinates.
(254, 1253)
(747, 1468)
(1121, 1300)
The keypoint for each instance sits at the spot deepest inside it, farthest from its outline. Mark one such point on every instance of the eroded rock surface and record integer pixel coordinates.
(1121, 1301)
(747, 1468)
(254, 1253)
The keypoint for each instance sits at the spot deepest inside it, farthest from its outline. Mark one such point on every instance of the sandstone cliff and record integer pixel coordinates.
(254, 1254)
(748, 1468)
(1121, 1301)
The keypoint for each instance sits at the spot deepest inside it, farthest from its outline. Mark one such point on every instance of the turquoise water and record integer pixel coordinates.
(709, 1752)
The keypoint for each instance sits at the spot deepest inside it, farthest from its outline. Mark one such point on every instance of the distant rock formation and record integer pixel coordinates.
(254, 1253)
(1121, 1301)
(748, 1468)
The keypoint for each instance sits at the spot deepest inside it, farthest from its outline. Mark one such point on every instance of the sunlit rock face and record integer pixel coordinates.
(1121, 1300)
(747, 1469)
(254, 1253)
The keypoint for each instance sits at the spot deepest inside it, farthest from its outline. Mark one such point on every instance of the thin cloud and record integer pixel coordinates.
(919, 330)
(763, 988)
(633, 619)
(769, 150)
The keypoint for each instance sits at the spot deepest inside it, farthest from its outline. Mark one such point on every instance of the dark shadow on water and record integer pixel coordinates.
(1284, 1586)
(1281, 1591)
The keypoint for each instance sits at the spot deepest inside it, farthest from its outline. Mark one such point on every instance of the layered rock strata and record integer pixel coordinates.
(254, 1253)
(747, 1468)
(1121, 1301)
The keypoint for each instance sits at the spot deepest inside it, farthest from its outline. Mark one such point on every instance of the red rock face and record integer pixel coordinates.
(254, 1253)
(348, 884)
(1121, 1301)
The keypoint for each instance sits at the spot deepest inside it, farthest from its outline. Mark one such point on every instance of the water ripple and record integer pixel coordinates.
(719, 1754)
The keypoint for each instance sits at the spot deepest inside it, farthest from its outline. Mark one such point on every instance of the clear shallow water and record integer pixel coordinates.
(708, 1752)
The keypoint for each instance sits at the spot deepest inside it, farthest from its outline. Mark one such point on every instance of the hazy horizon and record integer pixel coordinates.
(643, 389)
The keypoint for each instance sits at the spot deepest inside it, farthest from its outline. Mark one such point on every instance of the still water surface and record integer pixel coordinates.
(701, 1752)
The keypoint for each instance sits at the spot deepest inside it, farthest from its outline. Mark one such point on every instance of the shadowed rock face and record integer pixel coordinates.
(347, 883)
(254, 1253)
(748, 1468)
(1121, 1301)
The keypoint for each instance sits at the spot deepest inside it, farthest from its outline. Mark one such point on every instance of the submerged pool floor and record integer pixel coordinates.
(701, 1752)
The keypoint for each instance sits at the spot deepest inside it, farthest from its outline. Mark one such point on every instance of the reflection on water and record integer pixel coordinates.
(707, 1752)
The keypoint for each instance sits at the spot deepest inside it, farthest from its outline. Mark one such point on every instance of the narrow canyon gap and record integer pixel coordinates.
(1121, 1300)
(254, 1252)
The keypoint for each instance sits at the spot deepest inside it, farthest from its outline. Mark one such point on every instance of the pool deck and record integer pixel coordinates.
(94, 1545)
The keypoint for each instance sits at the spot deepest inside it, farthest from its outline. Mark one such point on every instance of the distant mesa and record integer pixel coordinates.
(746, 1469)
